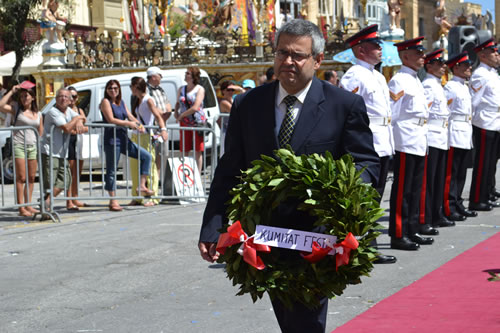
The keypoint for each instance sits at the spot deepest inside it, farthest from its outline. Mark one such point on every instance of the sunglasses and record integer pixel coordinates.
(230, 90)
(113, 88)
(74, 96)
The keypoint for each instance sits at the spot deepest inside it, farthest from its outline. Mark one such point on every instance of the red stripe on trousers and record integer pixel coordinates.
(480, 166)
(422, 194)
(447, 183)
(399, 200)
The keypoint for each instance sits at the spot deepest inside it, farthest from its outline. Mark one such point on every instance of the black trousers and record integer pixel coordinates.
(405, 194)
(382, 177)
(456, 174)
(483, 174)
(431, 199)
(301, 319)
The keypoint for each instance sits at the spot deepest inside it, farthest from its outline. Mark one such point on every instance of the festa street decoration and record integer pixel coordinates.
(345, 211)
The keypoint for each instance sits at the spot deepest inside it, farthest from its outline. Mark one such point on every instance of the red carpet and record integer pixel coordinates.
(456, 297)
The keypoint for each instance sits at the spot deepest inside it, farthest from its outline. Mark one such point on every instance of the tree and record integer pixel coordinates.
(14, 15)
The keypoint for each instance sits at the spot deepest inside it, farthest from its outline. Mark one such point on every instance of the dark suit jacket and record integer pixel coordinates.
(331, 119)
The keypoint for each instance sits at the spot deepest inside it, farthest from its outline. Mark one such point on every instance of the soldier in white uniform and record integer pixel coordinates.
(485, 91)
(409, 121)
(431, 204)
(460, 136)
(363, 79)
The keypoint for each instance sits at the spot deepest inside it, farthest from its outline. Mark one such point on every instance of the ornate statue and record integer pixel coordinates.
(223, 13)
(52, 21)
(440, 18)
(395, 13)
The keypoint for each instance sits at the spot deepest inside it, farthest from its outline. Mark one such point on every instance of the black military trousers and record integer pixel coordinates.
(431, 198)
(483, 173)
(382, 177)
(456, 174)
(405, 194)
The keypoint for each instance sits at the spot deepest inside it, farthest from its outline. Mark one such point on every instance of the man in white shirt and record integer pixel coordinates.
(460, 136)
(364, 80)
(409, 121)
(431, 205)
(485, 91)
(65, 121)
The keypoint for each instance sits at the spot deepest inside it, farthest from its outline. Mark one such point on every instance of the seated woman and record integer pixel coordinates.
(116, 141)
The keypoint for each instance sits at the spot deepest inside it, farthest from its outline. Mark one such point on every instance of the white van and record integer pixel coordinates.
(91, 93)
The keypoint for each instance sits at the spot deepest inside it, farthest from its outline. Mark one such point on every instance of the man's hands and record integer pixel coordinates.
(208, 252)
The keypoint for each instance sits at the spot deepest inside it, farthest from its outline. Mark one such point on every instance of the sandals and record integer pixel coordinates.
(115, 207)
(80, 204)
(24, 212)
(146, 192)
(137, 203)
(72, 208)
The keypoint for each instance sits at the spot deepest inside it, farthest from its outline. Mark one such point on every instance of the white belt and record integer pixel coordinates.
(382, 121)
(419, 121)
(438, 122)
(461, 117)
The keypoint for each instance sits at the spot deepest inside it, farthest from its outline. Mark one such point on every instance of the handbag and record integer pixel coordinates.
(198, 118)
(87, 146)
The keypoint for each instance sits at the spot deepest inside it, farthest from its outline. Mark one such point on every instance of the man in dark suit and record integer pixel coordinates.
(310, 115)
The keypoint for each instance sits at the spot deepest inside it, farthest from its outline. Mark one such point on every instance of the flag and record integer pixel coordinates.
(125, 19)
(134, 19)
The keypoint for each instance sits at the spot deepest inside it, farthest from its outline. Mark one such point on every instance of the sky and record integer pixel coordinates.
(485, 4)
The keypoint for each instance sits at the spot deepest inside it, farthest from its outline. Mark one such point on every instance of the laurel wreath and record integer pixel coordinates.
(330, 190)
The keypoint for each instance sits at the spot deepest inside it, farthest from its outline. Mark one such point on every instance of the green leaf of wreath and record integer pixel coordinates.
(332, 191)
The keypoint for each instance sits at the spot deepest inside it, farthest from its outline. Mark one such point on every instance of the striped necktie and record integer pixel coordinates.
(286, 129)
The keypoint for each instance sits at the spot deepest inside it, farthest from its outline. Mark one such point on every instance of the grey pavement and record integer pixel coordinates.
(140, 271)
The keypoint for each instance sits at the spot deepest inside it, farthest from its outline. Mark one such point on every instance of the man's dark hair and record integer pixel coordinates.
(328, 75)
(270, 73)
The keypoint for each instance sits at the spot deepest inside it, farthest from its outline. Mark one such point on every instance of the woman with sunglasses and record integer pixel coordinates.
(144, 108)
(227, 90)
(26, 114)
(189, 100)
(116, 141)
(73, 189)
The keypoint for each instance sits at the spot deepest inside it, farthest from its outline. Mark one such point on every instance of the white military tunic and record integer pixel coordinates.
(409, 112)
(363, 79)
(459, 104)
(437, 135)
(485, 91)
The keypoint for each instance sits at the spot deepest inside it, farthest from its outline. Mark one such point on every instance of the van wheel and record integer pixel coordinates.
(8, 169)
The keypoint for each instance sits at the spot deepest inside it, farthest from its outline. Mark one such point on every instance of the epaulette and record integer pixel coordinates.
(429, 105)
(396, 97)
(355, 90)
(450, 101)
(476, 89)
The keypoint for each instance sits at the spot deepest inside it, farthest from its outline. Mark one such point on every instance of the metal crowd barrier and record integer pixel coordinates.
(170, 157)
(9, 202)
(222, 120)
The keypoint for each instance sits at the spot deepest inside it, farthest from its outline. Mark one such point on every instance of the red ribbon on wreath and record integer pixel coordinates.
(248, 249)
(343, 250)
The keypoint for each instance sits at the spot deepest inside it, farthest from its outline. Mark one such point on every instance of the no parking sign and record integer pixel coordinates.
(187, 180)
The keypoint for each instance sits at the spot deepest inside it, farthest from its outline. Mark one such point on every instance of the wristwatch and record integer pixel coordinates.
(163, 129)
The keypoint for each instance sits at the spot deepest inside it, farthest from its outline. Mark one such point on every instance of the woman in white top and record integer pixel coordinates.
(189, 100)
(25, 115)
(145, 110)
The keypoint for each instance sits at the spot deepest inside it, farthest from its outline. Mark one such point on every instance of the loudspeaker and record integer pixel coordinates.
(465, 38)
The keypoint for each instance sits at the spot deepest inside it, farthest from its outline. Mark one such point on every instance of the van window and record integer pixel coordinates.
(84, 101)
(209, 101)
(170, 89)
